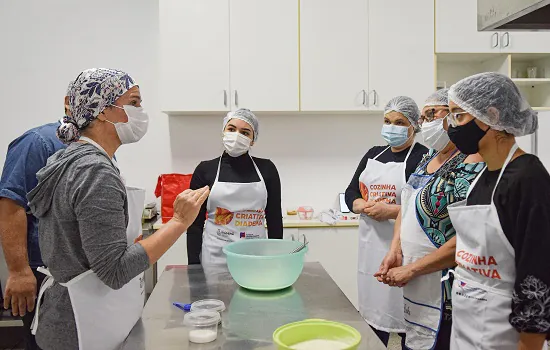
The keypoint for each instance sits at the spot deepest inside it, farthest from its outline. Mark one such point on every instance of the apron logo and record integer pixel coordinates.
(379, 192)
(249, 218)
(486, 265)
(223, 216)
(364, 191)
(467, 292)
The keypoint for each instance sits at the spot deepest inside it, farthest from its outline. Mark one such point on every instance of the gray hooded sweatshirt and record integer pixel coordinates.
(82, 209)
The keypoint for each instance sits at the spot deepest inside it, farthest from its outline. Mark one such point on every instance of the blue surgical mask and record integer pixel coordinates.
(395, 135)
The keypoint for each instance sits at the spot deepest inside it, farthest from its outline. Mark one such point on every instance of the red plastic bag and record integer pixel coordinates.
(168, 188)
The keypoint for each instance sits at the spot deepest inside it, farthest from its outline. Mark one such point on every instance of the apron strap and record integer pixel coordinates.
(508, 159)
(475, 182)
(409, 153)
(406, 157)
(448, 275)
(218, 171)
(257, 170)
(506, 162)
(379, 154)
(47, 283)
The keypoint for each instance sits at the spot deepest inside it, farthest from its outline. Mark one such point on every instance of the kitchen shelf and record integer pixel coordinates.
(297, 223)
(531, 82)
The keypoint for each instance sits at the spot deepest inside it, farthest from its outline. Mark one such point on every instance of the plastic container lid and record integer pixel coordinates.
(208, 304)
(201, 318)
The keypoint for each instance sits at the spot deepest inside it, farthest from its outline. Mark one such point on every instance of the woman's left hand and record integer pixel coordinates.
(379, 211)
(399, 276)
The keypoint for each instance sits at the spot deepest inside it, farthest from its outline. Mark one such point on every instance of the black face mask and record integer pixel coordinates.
(466, 137)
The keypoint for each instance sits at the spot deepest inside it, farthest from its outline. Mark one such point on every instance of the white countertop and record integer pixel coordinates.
(294, 222)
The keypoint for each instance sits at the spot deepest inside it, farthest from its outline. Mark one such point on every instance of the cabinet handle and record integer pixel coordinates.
(236, 99)
(364, 97)
(225, 98)
(507, 39)
(495, 35)
(375, 97)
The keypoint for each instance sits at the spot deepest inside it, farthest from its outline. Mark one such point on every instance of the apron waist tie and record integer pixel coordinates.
(47, 283)
(448, 275)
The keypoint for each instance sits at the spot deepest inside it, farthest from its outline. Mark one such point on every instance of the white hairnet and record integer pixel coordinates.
(438, 98)
(494, 99)
(406, 106)
(245, 115)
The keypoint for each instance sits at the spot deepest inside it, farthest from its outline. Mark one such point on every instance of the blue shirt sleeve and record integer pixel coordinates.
(26, 156)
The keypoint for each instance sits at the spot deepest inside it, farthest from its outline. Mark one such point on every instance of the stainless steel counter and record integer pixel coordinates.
(250, 318)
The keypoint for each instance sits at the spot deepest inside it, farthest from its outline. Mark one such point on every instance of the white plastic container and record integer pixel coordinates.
(209, 305)
(202, 326)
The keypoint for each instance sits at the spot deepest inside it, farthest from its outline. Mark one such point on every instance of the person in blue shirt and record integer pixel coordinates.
(18, 228)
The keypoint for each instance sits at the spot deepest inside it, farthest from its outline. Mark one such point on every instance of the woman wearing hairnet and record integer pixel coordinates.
(88, 221)
(246, 191)
(424, 238)
(501, 293)
(374, 192)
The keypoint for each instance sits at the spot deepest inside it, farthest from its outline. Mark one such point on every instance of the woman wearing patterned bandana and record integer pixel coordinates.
(424, 240)
(501, 294)
(88, 220)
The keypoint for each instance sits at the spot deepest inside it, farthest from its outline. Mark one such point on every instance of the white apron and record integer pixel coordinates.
(423, 295)
(484, 279)
(104, 317)
(235, 211)
(379, 304)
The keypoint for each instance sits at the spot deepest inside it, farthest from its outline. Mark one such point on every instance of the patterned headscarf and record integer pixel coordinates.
(69, 88)
(92, 91)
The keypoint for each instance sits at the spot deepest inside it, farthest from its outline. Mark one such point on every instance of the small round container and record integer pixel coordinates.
(202, 325)
(291, 211)
(305, 213)
(209, 305)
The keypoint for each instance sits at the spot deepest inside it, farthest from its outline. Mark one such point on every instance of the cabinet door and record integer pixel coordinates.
(525, 42)
(400, 63)
(456, 28)
(264, 54)
(334, 54)
(194, 55)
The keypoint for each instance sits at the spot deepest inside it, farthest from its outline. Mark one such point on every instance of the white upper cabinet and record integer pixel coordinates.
(264, 54)
(456, 28)
(525, 42)
(334, 55)
(401, 46)
(194, 55)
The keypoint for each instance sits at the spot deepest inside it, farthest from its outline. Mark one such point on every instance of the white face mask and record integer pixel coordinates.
(136, 126)
(434, 135)
(235, 143)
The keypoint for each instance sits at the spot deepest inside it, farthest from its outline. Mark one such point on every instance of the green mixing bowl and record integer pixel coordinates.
(298, 332)
(264, 264)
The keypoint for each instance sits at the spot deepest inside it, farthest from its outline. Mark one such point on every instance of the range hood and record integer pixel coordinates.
(513, 15)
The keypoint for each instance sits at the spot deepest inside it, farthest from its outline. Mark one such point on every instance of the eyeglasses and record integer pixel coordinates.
(455, 118)
(429, 115)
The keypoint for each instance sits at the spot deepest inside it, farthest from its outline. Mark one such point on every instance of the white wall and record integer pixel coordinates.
(315, 155)
(47, 43)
